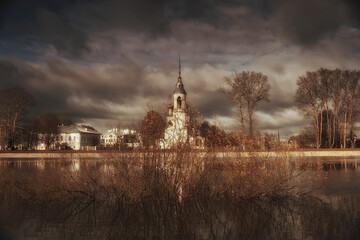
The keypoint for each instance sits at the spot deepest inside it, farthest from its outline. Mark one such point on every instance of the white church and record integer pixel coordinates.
(177, 121)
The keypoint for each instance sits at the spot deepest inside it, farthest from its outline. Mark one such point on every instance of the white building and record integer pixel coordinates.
(73, 137)
(177, 121)
(117, 137)
(110, 138)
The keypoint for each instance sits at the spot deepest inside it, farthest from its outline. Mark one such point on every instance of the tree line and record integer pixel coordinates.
(18, 127)
(330, 99)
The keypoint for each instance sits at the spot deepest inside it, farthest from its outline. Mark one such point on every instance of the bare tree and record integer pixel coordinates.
(152, 128)
(48, 127)
(351, 101)
(325, 99)
(330, 98)
(247, 89)
(13, 106)
(30, 135)
(331, 91)
(308, 101)
(194, 121)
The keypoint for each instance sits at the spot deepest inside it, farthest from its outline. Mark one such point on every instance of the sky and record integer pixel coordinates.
(105, 62)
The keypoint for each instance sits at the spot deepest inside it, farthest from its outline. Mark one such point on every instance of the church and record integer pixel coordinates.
(177, 121)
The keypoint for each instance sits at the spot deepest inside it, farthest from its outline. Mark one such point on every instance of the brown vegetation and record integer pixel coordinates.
(159, 176)
(152, 128)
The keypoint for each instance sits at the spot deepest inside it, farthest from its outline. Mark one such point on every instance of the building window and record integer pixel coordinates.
(179, 102)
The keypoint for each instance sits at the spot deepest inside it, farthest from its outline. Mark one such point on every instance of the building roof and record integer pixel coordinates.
(119, 131)
(179, 85)
(78, 129)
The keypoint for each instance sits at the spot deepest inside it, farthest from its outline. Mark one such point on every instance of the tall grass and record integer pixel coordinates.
(161, 176)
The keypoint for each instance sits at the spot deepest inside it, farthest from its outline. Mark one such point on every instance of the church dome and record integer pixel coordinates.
(179, 86)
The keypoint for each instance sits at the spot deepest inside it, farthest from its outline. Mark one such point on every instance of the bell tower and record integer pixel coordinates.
(179, 93)
(177, 130)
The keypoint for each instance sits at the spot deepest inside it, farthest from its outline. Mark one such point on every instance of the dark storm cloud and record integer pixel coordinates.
(67, 26)
(65, 37)
(40, 21)
(101, 90)
(278, 100)
(15, 73)
(108, 82)
(82, 90)
(354, 7)
(11, 75)
(214, 103)
(305, 22)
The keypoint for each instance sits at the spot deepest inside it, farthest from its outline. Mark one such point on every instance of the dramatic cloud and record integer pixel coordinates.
(105, 61)
(306, 22)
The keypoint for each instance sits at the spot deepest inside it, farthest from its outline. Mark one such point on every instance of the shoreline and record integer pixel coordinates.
(104, 154)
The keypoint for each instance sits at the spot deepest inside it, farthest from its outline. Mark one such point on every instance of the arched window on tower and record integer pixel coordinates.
(179, 102)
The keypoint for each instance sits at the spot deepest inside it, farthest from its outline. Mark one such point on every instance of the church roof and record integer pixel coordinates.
(78, 129)
(179, 88)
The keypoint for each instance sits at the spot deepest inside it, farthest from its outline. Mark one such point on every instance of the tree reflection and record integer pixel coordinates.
(301, 218)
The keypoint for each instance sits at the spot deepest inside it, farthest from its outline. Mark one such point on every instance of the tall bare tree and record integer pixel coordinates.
(308, 101)
(13, 106)
(332, 98)
(351, 101)
(331, 89)
(246, 89)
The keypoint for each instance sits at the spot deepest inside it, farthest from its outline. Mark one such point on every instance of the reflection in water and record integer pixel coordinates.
(344, 165)
(207, 219)
(323, 215)
(75, 165)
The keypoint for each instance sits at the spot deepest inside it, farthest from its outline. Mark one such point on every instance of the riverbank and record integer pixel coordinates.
(102, 154)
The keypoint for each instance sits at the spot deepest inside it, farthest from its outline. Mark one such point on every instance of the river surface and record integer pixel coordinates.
(329, 209)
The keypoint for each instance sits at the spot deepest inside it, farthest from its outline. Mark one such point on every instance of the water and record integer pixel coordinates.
(330, 209)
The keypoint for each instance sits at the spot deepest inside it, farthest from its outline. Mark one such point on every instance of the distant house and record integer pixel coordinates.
(73, 137)
(110, 138)
(117, 138)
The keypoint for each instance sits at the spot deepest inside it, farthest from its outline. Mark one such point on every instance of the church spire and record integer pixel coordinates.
(179, 85)
(179, 78)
